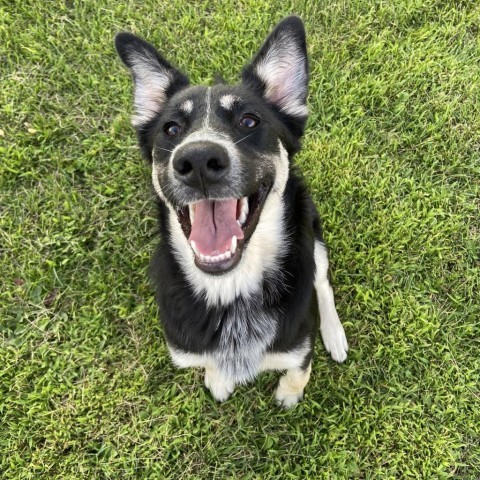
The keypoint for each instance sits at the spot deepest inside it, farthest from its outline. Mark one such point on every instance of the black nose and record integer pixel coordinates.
(200, 164)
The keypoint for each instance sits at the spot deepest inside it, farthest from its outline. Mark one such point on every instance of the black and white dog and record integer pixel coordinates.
(241, 254)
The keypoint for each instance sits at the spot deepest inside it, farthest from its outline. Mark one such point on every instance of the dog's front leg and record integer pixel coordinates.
(220, 386)
(333, 334)
(291, 385)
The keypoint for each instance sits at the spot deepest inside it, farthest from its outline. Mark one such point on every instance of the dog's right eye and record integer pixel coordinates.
(172, 129)
(249, 121)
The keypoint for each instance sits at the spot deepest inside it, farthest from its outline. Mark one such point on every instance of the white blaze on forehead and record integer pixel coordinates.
(186, 106)
(151, 85)
(227, 101)
(206, 120)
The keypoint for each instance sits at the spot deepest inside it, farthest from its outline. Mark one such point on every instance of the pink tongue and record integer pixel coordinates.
(214, 225)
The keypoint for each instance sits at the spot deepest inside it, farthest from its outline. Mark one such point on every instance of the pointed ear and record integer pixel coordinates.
(154, 78)
(279, 71)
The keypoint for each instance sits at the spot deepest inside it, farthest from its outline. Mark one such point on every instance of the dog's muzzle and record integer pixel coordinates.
(201, 164)
(217, 222)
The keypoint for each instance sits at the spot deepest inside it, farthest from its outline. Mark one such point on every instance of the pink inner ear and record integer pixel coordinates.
(283, 87)
(151, 83)
(284, 72)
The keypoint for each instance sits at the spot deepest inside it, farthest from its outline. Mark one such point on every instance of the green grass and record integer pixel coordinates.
(392, 154)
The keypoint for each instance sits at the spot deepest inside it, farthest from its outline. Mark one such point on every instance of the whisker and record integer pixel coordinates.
(244, 138)
(171, 143)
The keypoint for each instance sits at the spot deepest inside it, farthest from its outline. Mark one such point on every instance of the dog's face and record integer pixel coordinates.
(219, 153)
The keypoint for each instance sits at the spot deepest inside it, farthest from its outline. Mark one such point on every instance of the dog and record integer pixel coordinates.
(241, 270)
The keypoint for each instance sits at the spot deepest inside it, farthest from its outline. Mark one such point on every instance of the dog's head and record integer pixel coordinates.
(219, 153)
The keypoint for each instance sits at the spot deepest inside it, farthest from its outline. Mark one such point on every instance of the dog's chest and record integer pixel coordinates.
(244, 337)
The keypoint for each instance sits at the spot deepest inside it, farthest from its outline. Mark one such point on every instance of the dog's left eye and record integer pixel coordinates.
(248, 120)
(172, 129)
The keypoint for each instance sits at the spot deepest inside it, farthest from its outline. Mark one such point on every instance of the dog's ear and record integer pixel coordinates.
(279, 71)
(154, 78)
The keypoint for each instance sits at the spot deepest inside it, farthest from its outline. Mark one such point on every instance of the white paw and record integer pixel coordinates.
(218, 386)
(334, 339)
(287, 399)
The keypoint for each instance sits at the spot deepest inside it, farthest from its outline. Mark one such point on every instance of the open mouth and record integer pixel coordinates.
(218, 230)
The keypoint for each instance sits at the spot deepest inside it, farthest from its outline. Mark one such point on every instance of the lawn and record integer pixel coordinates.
(392, 155)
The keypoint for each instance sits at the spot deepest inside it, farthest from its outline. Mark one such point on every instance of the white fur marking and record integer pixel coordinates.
(183, 359)
(156, 184)
(206, 121)
(220, 387)
(291, 385)
(227, 101)
(286, 360)
(333, 334)
(186, 107)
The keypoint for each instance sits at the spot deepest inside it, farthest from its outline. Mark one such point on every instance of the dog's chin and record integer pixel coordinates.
(248, 210)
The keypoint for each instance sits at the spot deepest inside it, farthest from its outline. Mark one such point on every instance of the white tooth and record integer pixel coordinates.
(243, 210)
(194, 247)
(245, 207)
(227, 254)
(202, 258)
(233, 246)
(191, 211)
